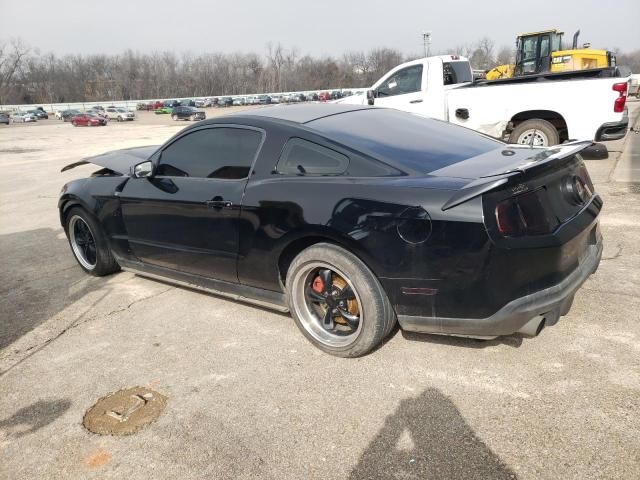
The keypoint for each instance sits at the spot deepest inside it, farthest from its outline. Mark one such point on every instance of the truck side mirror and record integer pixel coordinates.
(371, 96)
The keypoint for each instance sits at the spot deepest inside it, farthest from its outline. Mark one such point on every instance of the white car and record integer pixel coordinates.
(520, 110)
(23, 117)
(119, 114)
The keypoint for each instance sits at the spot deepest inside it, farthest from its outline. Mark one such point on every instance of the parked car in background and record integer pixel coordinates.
(210, 102)
(264, 99)
(275, 98)
(163, 110)
(39, 114)
(187, 113)
(312, 97)
(141, 106)
(336, 94)
(188, 102)
(66, 115)
(4, 119)
(120, 114)
(200, 102)
(23, 117)
(238, 101)
(225, 102)
(171, 103)
(88, 120)
(324, 96)
(98, 111)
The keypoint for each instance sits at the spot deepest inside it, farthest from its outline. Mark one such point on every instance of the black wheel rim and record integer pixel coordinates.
(83, 242)
(327, 305)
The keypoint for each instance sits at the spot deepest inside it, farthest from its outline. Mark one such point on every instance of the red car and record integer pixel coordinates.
(151, 106)
(324, 96)
(88, 120)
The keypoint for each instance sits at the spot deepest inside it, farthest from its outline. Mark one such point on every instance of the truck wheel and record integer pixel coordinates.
(543, 133)
(337, 302)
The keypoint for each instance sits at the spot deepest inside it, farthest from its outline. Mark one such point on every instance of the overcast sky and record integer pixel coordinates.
(319, 27)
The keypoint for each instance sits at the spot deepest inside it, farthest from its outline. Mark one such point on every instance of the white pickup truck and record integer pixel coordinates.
(540, 110)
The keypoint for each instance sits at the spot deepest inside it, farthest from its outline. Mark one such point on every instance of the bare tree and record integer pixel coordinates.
(12, 56)
(505, 56)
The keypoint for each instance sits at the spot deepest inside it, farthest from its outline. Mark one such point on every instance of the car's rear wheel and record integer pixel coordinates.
(536, 132)
(74, 123)
(337, 302)
(89, 244)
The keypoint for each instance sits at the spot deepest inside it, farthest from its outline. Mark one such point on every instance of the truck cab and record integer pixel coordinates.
(419, 86)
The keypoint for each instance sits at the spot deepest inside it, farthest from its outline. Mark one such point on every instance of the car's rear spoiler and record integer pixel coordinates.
(493, 180)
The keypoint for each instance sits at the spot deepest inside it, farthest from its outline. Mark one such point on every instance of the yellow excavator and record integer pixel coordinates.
(543, 52)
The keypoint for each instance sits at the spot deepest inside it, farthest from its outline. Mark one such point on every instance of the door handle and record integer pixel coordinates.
(218, 203)
(416, 101)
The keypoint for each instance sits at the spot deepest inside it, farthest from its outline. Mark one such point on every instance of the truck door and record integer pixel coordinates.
(402, 89)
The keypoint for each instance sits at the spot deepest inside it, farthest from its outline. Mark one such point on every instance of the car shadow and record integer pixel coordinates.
(34, 417)
(427, 437)
(39, 278)
(514, 341)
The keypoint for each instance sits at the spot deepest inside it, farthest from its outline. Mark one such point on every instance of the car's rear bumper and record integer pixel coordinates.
(613, 130)
(524, 314)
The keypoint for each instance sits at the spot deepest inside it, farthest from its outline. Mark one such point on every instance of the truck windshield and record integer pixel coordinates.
(457, 72)
(404, 140)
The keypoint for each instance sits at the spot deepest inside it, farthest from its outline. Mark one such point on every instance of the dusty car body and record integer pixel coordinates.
(350, 218)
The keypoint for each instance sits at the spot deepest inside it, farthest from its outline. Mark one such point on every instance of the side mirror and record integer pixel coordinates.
(142, 170)
(371, 96)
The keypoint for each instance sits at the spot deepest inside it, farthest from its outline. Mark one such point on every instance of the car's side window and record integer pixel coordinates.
(301, 157)
(223, 152)
(407, 80)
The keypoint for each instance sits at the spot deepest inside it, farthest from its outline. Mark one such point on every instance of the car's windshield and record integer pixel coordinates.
(417, 143)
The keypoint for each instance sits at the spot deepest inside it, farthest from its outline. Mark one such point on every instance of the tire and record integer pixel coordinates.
(350, 278)
(174, 118)
(119, 119)
(74, 123)
(97, 261)
(192, 118)
(544, 131)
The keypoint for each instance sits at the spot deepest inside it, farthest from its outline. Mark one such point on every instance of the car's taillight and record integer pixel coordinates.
(583, 173)
(523, 215)
(618, 104)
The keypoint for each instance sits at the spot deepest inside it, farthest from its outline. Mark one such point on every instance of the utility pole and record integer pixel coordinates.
(426, 40)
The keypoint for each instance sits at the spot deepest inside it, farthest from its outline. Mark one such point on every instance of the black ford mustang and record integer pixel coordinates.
(350, 218)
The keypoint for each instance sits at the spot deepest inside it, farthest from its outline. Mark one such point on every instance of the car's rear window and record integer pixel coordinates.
(405, 140)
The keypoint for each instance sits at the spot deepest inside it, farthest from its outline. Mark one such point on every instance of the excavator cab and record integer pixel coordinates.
(534, 52)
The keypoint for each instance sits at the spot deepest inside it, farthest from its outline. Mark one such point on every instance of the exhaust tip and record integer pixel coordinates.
(533, 327)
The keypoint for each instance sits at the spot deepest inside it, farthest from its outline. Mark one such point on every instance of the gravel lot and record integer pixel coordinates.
(249, 397)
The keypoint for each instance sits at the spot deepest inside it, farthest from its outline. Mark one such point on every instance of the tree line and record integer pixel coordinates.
(31, 77)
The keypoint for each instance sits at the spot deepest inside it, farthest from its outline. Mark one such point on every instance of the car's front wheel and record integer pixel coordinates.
(337, 302)
(88, 243)
(174, 118)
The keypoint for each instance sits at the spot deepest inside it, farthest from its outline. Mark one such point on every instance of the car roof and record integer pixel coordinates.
(301, 113)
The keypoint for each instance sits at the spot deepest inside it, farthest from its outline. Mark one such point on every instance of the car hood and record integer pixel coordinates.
(120, 161)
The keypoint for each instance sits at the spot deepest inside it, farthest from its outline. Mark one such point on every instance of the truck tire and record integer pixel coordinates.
(545, 133)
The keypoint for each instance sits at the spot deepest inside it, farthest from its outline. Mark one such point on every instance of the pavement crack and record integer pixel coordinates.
(143, 299)
(620, 247)
(76, 323)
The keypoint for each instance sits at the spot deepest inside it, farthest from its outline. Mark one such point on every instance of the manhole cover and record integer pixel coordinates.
(124, 412)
